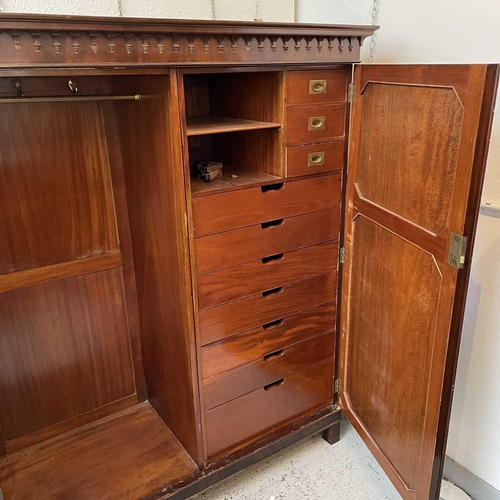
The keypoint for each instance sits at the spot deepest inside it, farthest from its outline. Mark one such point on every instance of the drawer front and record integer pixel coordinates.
(255, 242)
(257, 310)
(316, 87)
(245, 347)
(221, 212)
(270, 272)
(315, 123)
(314, 158)
(243, 420)
(267, 369)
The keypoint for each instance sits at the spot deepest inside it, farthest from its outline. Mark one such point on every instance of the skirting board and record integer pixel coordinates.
(467, 481)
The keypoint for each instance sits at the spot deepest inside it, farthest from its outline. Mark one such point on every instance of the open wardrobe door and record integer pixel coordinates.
(419, 136)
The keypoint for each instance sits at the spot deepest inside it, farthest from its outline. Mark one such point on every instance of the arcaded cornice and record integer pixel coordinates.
(61, 41)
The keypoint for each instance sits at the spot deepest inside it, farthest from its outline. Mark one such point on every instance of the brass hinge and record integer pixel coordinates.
(350, 92)
(342, 255)
(458, 247)
(337, 386)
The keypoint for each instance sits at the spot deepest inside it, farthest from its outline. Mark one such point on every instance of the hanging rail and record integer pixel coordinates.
(135, 97)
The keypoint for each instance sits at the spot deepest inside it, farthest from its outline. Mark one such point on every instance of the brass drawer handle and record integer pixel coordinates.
(317, 86)
(316, 123)
(316, 158)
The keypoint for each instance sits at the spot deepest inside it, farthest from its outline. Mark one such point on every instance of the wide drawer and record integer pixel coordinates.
(315, 123)
(248, 346)
(221, 212)
(257, 241)
(270, 272)
(316, 87)
(269, 368)
(237, 423)
(314, 158)
(223, 321)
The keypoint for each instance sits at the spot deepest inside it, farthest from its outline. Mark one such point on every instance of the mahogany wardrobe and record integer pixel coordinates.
(159, 333)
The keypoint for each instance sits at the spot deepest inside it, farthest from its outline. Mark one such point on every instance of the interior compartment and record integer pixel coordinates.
(88, 190)
(236, 119)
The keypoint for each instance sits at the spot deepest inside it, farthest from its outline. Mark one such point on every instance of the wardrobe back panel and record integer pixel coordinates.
(65, 346)
(64, 351)
(56, 201)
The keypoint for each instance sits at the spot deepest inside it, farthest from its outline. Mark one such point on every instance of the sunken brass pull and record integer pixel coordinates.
(316, 158)
(317, 86)
(316, 123)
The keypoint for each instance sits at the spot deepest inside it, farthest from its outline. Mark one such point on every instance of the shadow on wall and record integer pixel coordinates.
(478, 362)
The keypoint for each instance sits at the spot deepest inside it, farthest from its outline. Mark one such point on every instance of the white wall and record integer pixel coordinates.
(269, 10)
(453, 31)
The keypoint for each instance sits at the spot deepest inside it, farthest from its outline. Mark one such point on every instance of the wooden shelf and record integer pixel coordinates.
(217, 125)
(233, 177)
(129, 455)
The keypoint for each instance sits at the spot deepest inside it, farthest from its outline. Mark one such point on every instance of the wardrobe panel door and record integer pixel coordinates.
(417, 154)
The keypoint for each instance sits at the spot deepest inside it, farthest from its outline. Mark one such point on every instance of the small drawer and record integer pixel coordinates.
(272, 271)
(313, 124)
(223, 321)
(246, 419)
(316, 87)
(248, 346)
(257, 241)
(221, 212)
(314, 158)
(272, 366)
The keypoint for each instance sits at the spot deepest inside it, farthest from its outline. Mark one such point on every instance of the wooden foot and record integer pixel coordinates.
(332, 434)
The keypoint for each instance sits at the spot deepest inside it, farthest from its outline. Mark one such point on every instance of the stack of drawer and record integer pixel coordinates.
(266, 271)
(315, 123)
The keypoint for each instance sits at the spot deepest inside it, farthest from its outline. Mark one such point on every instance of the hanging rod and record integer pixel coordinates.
(71, 98)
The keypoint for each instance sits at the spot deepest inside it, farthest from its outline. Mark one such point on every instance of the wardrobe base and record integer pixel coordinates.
(328, 418)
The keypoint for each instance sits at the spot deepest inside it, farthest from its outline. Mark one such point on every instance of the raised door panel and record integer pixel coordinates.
(418, 141)
(64, 351)
(54, 180)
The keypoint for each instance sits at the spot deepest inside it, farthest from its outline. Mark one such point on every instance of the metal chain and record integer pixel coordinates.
(214, 17)
(120, 8)
(373, 38)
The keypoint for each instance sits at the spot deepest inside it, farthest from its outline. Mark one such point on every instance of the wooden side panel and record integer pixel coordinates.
(68, 356)
(54, 179)
(149, 134)
(412, 158)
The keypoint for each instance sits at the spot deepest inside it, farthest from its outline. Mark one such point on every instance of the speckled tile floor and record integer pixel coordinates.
(311, 470)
